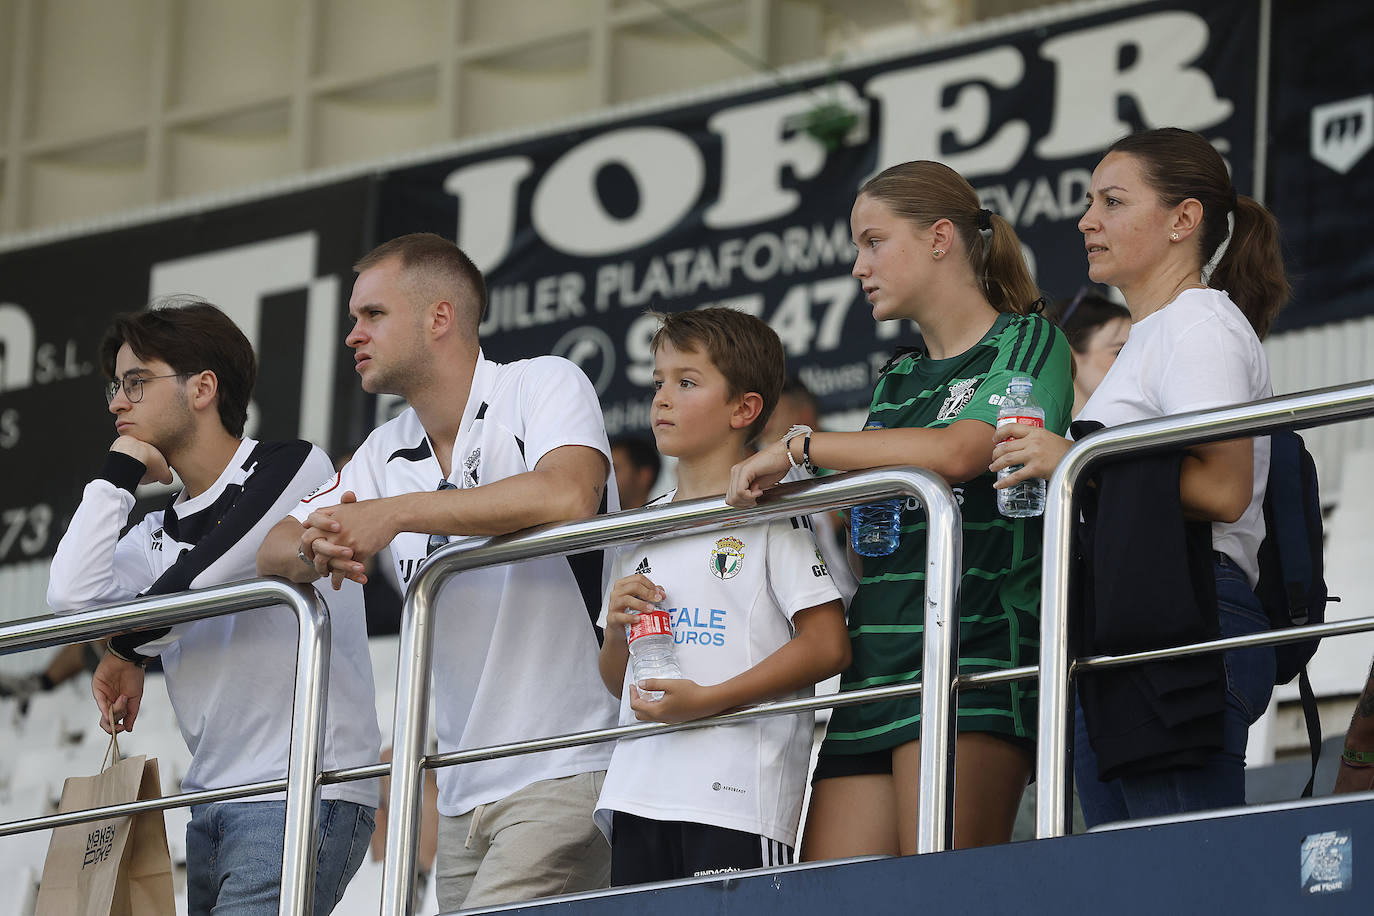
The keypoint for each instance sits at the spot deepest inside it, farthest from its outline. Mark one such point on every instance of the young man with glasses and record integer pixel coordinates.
(484, 448)
(181, 380)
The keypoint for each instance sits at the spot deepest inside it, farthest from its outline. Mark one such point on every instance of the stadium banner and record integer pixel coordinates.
(1321, 158)
(281, 267)
(731, 200)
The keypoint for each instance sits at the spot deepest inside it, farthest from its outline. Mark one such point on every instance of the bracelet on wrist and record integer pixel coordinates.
(806, 455)
(787, 438)
(1358, 759)
(139, 660)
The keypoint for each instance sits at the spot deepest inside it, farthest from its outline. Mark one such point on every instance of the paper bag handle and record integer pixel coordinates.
(113, 746)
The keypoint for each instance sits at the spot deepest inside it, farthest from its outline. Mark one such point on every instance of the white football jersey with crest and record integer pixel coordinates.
(731, 595)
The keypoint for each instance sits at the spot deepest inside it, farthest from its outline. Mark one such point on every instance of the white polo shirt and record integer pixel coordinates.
(731, 595)
(514, 647)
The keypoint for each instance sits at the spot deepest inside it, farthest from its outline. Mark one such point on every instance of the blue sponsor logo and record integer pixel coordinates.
(697, 626)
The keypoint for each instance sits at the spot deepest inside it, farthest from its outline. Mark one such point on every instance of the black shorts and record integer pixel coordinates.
(829, 766)
(644, 850)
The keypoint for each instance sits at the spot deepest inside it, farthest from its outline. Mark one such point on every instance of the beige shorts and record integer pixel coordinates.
(537, 842)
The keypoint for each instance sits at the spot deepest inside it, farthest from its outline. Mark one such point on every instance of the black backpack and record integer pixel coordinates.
(1292, 586)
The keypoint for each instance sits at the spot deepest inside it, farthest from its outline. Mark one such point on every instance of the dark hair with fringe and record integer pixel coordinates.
(925, 192)
(744, 348)
(190, 337)
(1178, 164)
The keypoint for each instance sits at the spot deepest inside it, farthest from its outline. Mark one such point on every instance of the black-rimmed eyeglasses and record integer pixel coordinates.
(133, 385)
(439, 540)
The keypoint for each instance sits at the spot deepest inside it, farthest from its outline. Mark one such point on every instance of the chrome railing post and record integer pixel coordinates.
(939, 665)
(412, 676)
(1308, 408)
(308, 710)
(303, 765)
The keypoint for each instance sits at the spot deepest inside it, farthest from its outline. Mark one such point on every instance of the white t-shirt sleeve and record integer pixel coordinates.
(93, 564)
(359, 476)
(1203, 367)
(797, 573)
(559, 407)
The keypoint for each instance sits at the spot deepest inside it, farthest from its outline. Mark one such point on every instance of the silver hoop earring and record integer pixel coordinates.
(937, 252)
(1173, 236)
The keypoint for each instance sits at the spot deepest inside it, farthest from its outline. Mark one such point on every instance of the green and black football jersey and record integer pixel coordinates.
(999, 614)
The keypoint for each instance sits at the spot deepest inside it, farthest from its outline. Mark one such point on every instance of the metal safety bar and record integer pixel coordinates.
(939, 660)
(1309, 408)
(307, 728)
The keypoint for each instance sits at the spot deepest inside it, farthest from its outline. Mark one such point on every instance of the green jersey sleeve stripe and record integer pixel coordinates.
(1044, 355)
(1016, 348)
(1034, 346)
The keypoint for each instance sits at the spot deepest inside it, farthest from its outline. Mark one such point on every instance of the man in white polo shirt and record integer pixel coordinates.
(484, 449)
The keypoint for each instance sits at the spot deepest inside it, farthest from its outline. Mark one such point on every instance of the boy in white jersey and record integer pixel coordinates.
(181, 380)
(754, 616)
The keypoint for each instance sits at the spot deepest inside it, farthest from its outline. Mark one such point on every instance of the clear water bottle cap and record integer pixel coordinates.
(1021, 385)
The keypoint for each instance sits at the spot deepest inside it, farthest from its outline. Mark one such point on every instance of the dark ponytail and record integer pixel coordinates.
(1251, 268)
(1179, 164)
(925, 192)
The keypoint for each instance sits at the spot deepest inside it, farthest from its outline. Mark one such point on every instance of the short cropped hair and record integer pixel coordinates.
(744, 348)
(432, 260)
(190, 337)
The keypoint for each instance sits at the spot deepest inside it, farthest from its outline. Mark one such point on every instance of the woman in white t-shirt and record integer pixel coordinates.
(1158, 212)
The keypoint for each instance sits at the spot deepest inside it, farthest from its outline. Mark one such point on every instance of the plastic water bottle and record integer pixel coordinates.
(652, 654)
(1027, 498)
(875, 529)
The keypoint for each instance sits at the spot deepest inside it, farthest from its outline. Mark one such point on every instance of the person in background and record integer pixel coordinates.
(67, 663)
(1160, 206)
(796, 405)
(1356, 773)
(636, 464)
(928, 252)
(1096, 329)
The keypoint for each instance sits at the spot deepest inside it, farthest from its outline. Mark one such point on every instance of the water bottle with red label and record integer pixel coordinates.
(652, 654)
(1027, 498)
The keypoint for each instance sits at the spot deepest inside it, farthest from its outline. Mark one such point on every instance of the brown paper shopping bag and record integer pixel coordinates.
(115, 867)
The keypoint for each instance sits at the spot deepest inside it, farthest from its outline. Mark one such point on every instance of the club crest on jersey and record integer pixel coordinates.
(470, 469)
(727, 557)
(960, 395)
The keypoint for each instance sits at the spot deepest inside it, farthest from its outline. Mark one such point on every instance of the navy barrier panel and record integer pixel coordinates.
(1315, 860)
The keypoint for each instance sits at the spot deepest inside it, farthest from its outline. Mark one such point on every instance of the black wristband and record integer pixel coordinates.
(120, 647)
(123, 471)
(806, 455)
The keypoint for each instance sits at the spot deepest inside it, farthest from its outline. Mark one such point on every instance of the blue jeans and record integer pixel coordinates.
(1220, 783)
(234, 850)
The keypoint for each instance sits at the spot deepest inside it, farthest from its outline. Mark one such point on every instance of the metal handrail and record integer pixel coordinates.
(307, 731)
(939, 660)
(1310, 408)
